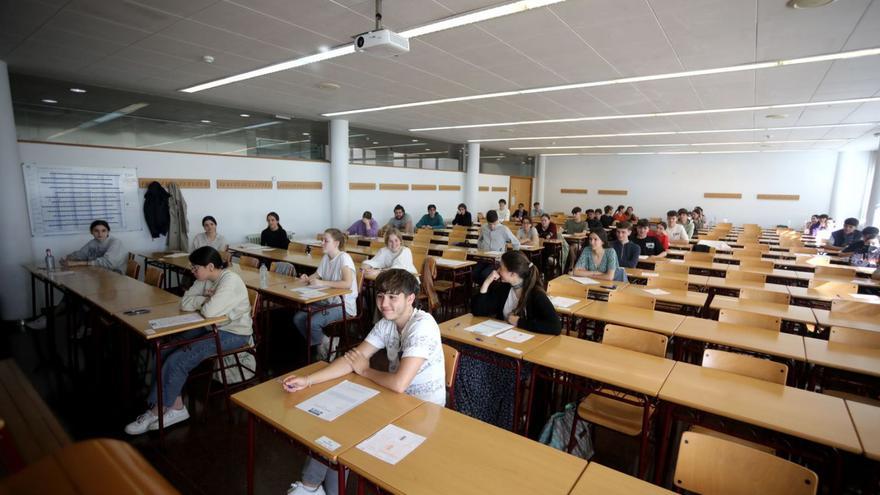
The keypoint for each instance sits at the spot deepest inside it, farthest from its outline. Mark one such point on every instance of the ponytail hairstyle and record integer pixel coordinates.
(337, 236)
(206, 255)
(517, 262)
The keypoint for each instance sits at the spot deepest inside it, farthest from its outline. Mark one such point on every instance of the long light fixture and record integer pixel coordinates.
(673, 145)
(347, 49)
(624, 80)
(674, 133)
(649, 115)
(713, 152)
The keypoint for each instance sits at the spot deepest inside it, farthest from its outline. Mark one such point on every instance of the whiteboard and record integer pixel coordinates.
(65, 200)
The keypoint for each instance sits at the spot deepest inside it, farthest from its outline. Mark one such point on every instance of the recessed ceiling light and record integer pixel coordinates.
(77, 90)
(625, 80)
(776, 116)
(651, 115)
(49, 100)
(375, 142)
(329, 86)
(306, 134)
(323, 48)
(508, 131)
(427, 149)
(245, 115)
(807, 4)
(415, 140)
(205, 121)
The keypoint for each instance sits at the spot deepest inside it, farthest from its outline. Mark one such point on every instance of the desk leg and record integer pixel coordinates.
(33, 296)
(250, 453)
(160, 405)
(530, 398)
(643, 448)
(517, 396)
(663, 439)
(309, 335)
(340, 472)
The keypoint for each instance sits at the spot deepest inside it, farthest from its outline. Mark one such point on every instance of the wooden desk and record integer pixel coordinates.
(645, 319)
(798, 314)
(827, 320)
(598, 479)
(693, 280)
(783, 345)
(84, 283)
(251, 278)
(866, 419)
(723, 283)
(570, 310)
(269, 402)
(856, 359)
(678, 297)
(465, 456)
(143, 297)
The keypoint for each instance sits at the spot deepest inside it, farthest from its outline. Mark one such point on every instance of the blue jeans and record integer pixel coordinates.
(179, 361)
(320, 319)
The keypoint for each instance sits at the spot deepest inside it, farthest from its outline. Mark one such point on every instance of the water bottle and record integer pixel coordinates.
(264, 277)
(50, 261)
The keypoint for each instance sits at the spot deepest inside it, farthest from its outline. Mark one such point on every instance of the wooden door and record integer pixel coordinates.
(520, 192)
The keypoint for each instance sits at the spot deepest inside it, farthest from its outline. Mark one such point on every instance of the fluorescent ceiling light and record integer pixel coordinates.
(655, 114)
(624, 80)
(671, 133)
(325, 53)
(731, 143)
(724, 152)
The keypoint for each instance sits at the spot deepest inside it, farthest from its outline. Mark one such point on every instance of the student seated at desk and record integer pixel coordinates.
(848, 234)
(630, 214)
(393, 255)
(103, 251)
(209, 237)
(648, 245)
(698, 218)
(575, 225)
(675, 231)
(336, 270)
(620, 214)
(593, 222)
(367, 226)
(597, 260)
(493, 237)
(400, 221)
(520, 212)
(503, 210)
(547, 230)
(661, 235)
(274, 234)
(527, 233)
(537, 211)
(432, 219)
(463, 217)
(684, 219)
(216, 292)
(607, 219)
(627, 252)
(866, 251)
(411, 339)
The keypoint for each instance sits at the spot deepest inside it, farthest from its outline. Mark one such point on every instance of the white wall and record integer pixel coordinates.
(852, 183)
(488, 200)
(657, 183)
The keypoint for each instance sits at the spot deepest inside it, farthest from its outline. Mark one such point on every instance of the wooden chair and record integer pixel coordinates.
(377, 245)
(710, 465)
(757, 246)
(132, 269)
(419, 260)
(855, 308)
(667, 283)
(832, 287)
(226, 256)
(699, 257)
(358, 258)
(316, 251)
(154, 276)
(742, 364)
(456, 238)
(455, 254)
(750, 319)
(755, 265)
(249, 261)
(450, 361)
(765, 295)
(283, 268)
(601, 408)
(749, 277)
(297, 247)
(853, 336)
(340, 330)
(751, 254)
(833, 272)
(566, 288)
(626, 299)
(667, 268)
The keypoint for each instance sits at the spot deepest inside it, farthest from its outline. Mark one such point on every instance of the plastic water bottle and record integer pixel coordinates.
(264, 277)
(50, 261)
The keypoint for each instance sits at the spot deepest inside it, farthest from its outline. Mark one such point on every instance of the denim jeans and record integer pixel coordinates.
(317, 473)
(179, 361)
(320, 319)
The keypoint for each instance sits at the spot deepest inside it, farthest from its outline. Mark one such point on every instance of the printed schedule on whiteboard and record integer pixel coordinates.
(65, 200)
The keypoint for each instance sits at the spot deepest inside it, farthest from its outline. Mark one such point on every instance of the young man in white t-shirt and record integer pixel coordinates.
(411, 339)
(503, 211)
(675, 231)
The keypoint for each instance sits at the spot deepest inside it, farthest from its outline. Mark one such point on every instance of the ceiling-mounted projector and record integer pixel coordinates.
(382, 43)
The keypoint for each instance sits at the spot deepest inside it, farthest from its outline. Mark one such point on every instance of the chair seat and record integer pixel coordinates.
(613, 414)
(731, 438)
(443, 285)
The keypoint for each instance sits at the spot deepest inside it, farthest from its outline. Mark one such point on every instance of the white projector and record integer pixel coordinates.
(382, 43)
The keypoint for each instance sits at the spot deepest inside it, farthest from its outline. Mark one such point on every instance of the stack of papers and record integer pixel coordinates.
(391, 444)
(656, 292)
(337, 400)
(585, 280)
(308, 292)
(562, 302)
(489, 328)
(173, 321)
(514, 336)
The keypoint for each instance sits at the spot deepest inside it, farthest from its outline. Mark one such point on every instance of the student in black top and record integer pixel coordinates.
(274, 235)
(515, 293)
(848, 234)
(607, 219)
(593, 222)
(866, 251)
(627, 252)
(463, 217)
(520, 212)
(649, 246)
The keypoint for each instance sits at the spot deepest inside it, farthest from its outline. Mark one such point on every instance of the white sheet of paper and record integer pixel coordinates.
(656, 292)
(514, 336)
(585, 280)
(489, 328)
(858, 280)
(562, 302)
(718, 245)
(650, 274)
(446, 262)
(61, 273)
(511, 349)
(643, 257)
(391, 444)
(176, 255)
(676, 261)
(173, 321)
(308, 292)
(328, 443)
(865, 297)
(337, 400)
(494, 253)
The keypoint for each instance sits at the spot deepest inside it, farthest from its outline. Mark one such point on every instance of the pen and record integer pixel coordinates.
(479, 339)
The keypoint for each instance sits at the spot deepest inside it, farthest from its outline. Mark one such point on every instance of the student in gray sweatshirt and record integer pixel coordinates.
(102, 251)
(493, 237)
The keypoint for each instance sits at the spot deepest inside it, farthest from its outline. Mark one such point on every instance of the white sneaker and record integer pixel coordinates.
(299, 488)
(142, 423)
(323, 349)
(172, 417)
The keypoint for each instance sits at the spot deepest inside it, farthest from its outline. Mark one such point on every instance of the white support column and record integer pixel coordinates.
(540, 176)
(339, 155)
(472, 178)
(874, 197)
(14, 295)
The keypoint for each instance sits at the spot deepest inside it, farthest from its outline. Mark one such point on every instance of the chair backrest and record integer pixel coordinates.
(456, 237)
(633, 300)
(376, 245)
(256, 301)
(709, 465)
(668, 283)
(563, 286)
(743, 364)
(703, 257)
(296, 247)
(833, 271)
(854, 336)
(741, 276)
(132, 269)
(755, 265)
(855, 308)
(756, 246)
(316, 251)
(226, 256)
(832, 287)
(450, 361)
(671, 268)
(418, 260)
(455, 254)
(765, 295)
(635, 340)
(459, 228)
(358, 257)
(249, 261)
(283, 268)
(319, 236)
(750, 319)
(154, 276)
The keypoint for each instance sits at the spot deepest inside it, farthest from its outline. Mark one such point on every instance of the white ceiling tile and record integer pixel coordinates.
(214, 38)
(866, 33)
(18, 19)
(128, 14)
(791, 84)
(786, 33)
(866, 112)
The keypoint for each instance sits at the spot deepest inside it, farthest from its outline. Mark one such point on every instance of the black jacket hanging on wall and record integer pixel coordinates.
(156, 209)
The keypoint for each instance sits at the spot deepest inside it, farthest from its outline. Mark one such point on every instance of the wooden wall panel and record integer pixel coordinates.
(423, 187)
(723, 195)
(499, 189)
(484, 188)
(244, 184)
(362, 186)
(295, 184)
(573, 191)
(613, 192)
(394, 187)
(450, 188)
(780, 197)
(181, 183)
